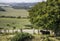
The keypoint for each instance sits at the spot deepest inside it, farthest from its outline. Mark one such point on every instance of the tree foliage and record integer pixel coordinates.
(22, 37)
(46, 15)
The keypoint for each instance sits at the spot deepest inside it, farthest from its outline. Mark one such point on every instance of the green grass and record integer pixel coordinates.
(14, 12)
(36, 38)
(13, 22)
(6, 37)
(9, 23)
(40, 37)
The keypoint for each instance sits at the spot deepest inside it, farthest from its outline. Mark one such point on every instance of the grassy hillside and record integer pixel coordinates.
(14, 12)
(10, 23)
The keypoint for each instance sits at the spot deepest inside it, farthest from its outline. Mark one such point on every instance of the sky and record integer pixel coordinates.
(19, 1)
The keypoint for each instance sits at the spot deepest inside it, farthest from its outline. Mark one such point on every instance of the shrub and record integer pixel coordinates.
(22, 37)
(19, 17)
(8, 24)
(14, 27)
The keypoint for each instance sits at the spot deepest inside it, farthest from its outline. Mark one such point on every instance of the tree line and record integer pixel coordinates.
(13, 17)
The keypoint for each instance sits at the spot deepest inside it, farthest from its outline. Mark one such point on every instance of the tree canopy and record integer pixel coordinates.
(46, 15)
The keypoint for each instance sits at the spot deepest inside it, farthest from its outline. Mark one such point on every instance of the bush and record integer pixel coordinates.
(22, 37)
(8, 24)
(19, 17)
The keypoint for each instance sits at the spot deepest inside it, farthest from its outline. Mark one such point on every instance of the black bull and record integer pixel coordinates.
(45, 32)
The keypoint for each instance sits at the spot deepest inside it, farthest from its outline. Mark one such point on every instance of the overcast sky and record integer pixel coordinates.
(8, 1)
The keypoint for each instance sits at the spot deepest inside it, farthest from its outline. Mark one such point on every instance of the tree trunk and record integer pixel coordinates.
(4, 31)
(38, 31)
(21, 30)
(8, 31)
(33, 30)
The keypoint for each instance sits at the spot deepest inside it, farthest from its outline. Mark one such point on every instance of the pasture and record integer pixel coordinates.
(36, 38)
(14, 12)
(10, 23)
(6, 37)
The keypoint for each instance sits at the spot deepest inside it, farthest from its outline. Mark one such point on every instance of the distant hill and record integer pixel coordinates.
(18, 5)
(22, 5)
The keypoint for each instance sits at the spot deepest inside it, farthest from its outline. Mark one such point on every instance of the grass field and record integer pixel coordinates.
(6, 37)
(39, 38)
(9, 23)
(14, 12)
(13, 22)
(36, 38)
